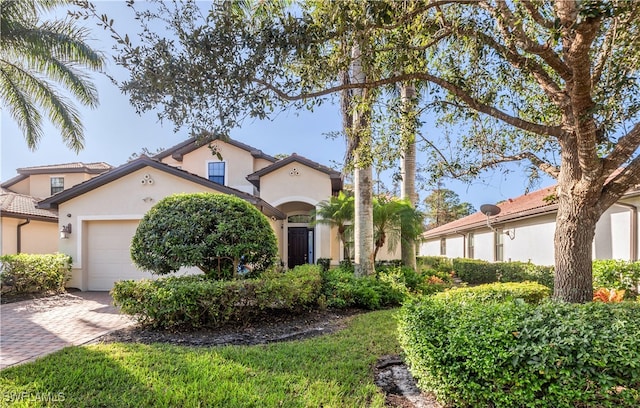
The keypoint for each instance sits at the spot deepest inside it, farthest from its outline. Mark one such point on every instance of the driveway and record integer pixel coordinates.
(34, 328)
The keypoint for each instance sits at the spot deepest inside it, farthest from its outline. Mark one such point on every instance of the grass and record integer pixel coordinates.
(329, 371)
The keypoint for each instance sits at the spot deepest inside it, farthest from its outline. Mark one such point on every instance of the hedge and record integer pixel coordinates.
(197, 301)
(34, 273)
(530, 292)
(617, 274)
(473, 353)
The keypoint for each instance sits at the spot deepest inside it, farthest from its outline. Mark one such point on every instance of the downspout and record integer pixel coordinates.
(19, 234)
(633, 228)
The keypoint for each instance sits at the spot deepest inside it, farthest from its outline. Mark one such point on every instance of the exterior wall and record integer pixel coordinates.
(38, 237)
(40, 184)
(259, 164)
(312, 185)
(239, 164)
(22, 187)
(533, 240)
(614, 232)
(134, 199)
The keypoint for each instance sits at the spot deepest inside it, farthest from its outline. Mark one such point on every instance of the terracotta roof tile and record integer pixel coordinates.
(13, 204)
(97, 166)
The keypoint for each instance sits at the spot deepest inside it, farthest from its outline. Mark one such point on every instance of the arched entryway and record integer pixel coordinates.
(299, 233)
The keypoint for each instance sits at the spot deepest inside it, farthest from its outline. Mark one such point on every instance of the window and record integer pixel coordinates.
(443, 246)
(57, 185)
(299, 219)
(470, 245)
(216, 172)
(499, 250)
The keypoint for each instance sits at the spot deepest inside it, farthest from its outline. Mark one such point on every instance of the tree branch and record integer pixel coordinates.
(623, 150)
(621, 183)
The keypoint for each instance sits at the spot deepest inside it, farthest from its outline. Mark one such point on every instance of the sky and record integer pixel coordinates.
(114, 131)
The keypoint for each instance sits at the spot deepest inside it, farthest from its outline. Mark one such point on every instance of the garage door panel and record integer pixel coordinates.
(109, 259)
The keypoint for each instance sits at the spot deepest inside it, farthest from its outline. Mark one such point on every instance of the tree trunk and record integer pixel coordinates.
(363, 175)
(408, 168)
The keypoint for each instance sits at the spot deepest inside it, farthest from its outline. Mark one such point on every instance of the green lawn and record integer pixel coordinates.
(330, 371)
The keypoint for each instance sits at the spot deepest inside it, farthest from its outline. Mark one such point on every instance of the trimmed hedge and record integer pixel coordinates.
(473, 353)
(196, 301)
(476, 271)
(34, 273)
(342, 289)
(530, 292)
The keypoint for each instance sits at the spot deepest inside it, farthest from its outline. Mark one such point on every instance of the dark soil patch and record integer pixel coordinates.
(274, 327)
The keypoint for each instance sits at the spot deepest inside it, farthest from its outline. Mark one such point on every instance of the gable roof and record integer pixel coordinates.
(527, 205)
(142, 162)
(16, 205)
(178, 151)
(335, 176)
(75, 167)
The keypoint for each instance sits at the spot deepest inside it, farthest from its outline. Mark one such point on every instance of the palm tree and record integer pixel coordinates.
(338, 212)
(395, 220)
(36, 58)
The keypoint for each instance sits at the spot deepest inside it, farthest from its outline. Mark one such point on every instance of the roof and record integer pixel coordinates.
(526, 205)
(75, 167)
(16, 205)
(178, 151)
(142, 162)
(336, 176)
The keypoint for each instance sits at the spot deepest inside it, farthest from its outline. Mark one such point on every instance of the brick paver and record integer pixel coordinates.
(34, 328)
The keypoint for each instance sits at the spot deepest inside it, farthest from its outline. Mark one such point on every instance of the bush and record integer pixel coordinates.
(530, 292)
(342, 289)
(438, 263)
(514, 354)
(213, 232)
(31, 273)
(196, 301)
(325, 263)
(475, 271)
(617, 274)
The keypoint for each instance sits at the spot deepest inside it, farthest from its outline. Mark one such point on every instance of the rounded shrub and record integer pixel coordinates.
(213, 232)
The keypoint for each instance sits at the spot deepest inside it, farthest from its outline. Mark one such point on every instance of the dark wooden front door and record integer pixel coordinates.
(298, 246)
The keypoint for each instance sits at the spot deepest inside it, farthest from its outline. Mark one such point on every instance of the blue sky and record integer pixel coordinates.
(113, 132)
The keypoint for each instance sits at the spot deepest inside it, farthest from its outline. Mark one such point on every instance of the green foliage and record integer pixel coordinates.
(324, 263)
(209, 231)
(476, 271)
(530, 292)
(40, 58)
(195, 301)
(444, 206)
(34, 273)
(474, 353)
(617, 274)
(342, 289)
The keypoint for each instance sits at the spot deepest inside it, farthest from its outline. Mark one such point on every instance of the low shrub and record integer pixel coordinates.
(325, 263)
(617, 274)
(474, 353)
(475, 271)
(530, 292)
(196, 301)
(342, 289)
(34, 273)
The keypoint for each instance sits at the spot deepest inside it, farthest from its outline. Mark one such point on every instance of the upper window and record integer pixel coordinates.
(470, 245)
(216, 172)
(499, 251)
(57, 185)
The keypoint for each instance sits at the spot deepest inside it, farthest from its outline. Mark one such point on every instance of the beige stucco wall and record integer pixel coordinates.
(22, 187)
(38, 237)
(295, 182)
(239, 164)
(40, 184)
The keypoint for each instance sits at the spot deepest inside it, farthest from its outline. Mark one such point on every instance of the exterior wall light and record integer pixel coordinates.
(65, 231)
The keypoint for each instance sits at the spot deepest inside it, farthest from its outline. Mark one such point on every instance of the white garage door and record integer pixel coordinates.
(109, 260)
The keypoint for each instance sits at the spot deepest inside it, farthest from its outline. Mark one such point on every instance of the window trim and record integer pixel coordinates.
(471, 237)
(225, 178)
(51, 186)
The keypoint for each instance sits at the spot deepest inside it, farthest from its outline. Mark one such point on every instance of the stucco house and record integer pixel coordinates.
(523, 230)
(100, 214)
(23, 226)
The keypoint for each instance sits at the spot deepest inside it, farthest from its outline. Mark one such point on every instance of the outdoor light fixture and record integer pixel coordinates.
(65, 231)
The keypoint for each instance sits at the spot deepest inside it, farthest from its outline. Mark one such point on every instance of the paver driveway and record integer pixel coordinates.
(34, 328)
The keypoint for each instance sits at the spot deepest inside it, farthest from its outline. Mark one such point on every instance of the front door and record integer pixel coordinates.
(298, 246)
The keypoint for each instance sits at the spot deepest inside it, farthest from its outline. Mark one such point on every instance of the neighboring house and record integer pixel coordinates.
(23, 226)
(524, 231)
(103, 212)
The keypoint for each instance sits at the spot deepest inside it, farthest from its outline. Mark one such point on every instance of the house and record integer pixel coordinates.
(23, 226)
(524, 230)
(100, 215)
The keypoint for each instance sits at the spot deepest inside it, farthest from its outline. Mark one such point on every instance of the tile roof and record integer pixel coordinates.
(23, 206)
(144, 161)
(530, 204)
(97, 167)
(178, 151)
